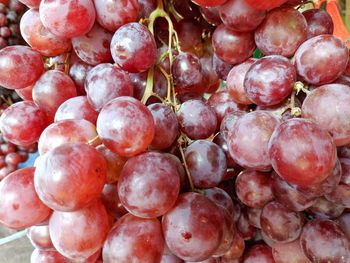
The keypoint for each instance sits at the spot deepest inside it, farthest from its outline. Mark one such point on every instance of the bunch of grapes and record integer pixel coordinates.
(179, 131)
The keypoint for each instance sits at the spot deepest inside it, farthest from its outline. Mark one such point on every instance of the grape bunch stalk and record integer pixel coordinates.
(212, 131)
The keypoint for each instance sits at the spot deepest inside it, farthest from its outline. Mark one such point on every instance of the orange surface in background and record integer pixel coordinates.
(339, 27)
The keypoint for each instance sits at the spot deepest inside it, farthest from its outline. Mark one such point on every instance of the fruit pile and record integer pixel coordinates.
(178, 131)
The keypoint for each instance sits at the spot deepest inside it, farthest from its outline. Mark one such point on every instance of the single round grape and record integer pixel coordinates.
(319, 68)
(51, 90)
(240, 16)
(340, 195)
(231, 46)
(78, 72)
(77, 108)
(236, 250)
(210, 79)
(65, 131)
(20, 67)
(72, 234)
(220, 67)
(209, 3)
(40, 238)
(319, 22)
(39, 37)
(144, 195)
(270, 80)
(93, 47)
(13, 158)
(25, 93)
(265, 5)
(134, 239)
(211, 15)
(323, 241)
(112, 14)
(301, 152)
(20, 206)
(110, 199)
(328, 107)
(146, 7)
(279, 223)
(126, 126)
(289, 195)
(282, 32)
(115, 163)
(254, 188)
(228, 122)
(22, 123)
(47, 256)
(220, 197)
(105, 82)
(206, 163)
(324, 209)
(223, 104)
(133, 48)
(197, 119)
(235, 82)
(258, 253)
(345, 169)
(64, 18)
(289, 253)
(166, 126)
(70, 176)
(189, 35)
(187, 72)
(326, 186)
(249, 137)
(193, 228)
(34, 4)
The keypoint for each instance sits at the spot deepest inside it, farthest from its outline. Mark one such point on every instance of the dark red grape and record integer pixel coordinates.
(319, 22)
(259, 253)
(324, 209)
(110, 200)
(289, 253)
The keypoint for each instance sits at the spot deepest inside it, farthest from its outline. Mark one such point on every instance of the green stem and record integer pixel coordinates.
(12, 237)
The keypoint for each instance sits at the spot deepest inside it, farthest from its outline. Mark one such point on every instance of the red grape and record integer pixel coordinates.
(211, 15)
(323, 241)
(282, 32)
(249, 137)
(289, 253)
(236, 250)
(31, 3)
(231, 46)
(235, 82)
(319, 22)
(106, 82)
(93, 47)
(324, 209)
(206, 163)
(254, 188)
(145, 196)
(77, 108)
(72, 234)
(20, 67)
(110, 199)
(112, 14)
(345, 168)
(40, 238)
(301, 152)
(166, 126)
(340, 195)
(66, 131)
(328, 106)
(254, 217)
(51, 90)
(279, 223)
(146, 7)
(197, 119)
(319, 68)
(126, 126)
(70, 176)
(22, 123)
(244, 229)
(209, 3)
(265, 5)
(47, 256)
(259, 253)
(220, 197)
(134, 239)
(193, 228)
(20, 206)
(220, 67)
(25, 93)
(240, 16)
(64, 18)
(344, 223)
(269, 80)
(40, 38)
(133, 48)
(78, 71)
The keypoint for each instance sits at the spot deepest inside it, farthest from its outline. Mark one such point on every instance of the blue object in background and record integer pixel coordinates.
(30, 161)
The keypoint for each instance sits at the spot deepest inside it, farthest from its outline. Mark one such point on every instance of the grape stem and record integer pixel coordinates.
(182, 141)
(94, 140)
(13, 237)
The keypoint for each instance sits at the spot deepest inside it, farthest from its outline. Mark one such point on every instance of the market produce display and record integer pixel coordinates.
(213, 131)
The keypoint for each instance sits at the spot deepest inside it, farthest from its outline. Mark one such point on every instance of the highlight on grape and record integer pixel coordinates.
(169, 131)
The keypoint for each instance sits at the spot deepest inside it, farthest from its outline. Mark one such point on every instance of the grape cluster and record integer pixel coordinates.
(212, 131)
